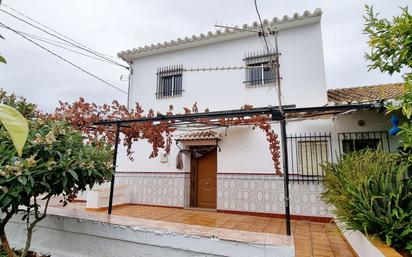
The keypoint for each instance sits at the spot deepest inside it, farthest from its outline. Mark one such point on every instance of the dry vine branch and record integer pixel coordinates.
(82, 115)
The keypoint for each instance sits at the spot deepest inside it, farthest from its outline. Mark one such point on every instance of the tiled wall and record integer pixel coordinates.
(235, 192)
(156, 188)
(265, 193)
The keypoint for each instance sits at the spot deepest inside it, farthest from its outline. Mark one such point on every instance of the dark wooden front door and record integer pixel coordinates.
(206, 176)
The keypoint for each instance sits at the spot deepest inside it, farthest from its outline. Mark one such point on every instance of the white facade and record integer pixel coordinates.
(301, 65)
(246, 180)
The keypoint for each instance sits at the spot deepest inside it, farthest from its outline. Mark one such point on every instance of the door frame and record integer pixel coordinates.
(194, 178)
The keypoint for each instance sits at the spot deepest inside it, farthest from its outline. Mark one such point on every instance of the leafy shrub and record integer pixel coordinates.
(56, 161)
(372, 192)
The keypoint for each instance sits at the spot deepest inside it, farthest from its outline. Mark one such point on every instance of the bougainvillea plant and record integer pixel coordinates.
(82, 115)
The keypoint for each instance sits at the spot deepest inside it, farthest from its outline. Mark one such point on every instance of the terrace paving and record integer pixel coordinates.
(310, 238)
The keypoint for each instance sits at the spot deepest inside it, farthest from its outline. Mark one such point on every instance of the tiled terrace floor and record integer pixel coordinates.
(311, 238)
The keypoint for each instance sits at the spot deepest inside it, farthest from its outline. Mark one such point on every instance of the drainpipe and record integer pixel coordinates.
(129, 82)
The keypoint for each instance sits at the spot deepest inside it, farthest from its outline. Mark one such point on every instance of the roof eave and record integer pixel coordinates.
(283, 23)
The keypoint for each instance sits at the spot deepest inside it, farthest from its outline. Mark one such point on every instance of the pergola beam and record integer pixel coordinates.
(273, 112)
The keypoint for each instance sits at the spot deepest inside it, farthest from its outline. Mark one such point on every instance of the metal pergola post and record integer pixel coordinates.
(285, 171)
(277, 115)
(116, 146)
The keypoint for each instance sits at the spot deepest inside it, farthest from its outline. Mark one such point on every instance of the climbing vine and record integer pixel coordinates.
(82, 116)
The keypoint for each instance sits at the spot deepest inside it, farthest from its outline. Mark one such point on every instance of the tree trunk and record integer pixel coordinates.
(5, 244)
(28, 241)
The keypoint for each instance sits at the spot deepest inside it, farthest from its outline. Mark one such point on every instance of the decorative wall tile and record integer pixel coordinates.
(265, 193)
(235, 192)
(156, 188)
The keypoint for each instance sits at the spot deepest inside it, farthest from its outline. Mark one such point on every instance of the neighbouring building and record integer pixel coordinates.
(231, 169)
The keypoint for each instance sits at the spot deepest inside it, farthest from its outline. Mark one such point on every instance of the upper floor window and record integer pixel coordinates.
(169, 81)
(260, 69)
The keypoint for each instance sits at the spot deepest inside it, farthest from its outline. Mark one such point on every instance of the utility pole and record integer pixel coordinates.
(283, 135)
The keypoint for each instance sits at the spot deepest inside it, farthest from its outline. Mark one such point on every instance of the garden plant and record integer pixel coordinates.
(371, 190)
(56, 160)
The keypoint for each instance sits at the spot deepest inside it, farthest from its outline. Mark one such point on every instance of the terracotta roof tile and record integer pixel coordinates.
(366, 94)
(200, 135)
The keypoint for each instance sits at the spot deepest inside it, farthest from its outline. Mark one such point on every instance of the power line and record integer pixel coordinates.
(58, 33)
(65, 40)
(261, 26)
(65, 60)
(37, 22)
(60, 45)
(46, 59)
(65, 48)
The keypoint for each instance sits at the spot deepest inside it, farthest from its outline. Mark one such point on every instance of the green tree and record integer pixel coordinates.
(56, 160)
(391, 52)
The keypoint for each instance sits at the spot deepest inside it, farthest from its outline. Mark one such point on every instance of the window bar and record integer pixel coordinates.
(316, 155)
(162, 83)
(309, 144)
(330, 145)
(291, 152)
(300, 163)
(174, 80)
(298, 157)
(321, 152)
(387, 139)
(306, 154)
(157, 84)
(165, 80)
(369, 134)
(381, 140)
(246, 71)
(171, 75)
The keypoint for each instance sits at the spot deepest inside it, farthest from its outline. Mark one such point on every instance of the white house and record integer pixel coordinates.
(232, 170)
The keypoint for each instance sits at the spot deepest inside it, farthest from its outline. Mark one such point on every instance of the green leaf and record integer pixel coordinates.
(74, 175)
(2, 59)
(22, 180)
(16, 125)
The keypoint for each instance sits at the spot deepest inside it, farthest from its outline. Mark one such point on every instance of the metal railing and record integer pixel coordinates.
(169, 81)
(306, 153)
(260, 69)
(355, 141)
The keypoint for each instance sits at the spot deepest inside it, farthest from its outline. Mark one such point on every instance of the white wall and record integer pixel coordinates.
(243, 150)
(374, 121)
(302, 72)
(85, 235)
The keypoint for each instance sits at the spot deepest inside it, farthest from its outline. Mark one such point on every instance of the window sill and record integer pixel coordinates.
(167, 97)
(261, 85)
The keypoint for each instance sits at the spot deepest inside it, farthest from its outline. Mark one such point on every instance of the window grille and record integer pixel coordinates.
(356, 141)
(260, 69)
(306, 153)
(310, 155)
(169, 81)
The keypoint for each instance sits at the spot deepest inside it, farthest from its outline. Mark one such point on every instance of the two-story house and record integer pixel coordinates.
(230, 169)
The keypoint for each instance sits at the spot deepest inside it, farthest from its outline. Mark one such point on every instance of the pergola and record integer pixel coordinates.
(273, 113)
